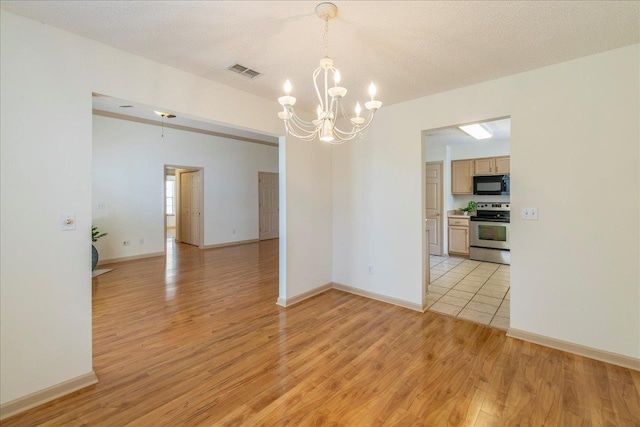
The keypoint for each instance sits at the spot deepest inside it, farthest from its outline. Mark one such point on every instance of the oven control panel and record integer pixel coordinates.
(488, 206)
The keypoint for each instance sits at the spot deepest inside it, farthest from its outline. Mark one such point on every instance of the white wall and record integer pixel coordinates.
(128, 177)
(574, 141)
(48, 76)
(309, 201)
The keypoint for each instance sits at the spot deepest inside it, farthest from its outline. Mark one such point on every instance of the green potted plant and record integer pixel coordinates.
(95, 235)
(471, 206)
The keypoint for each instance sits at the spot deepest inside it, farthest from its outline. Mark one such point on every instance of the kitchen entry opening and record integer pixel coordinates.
(466, 215)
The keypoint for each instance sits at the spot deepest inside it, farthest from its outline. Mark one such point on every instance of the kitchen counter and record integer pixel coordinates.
(458, 214)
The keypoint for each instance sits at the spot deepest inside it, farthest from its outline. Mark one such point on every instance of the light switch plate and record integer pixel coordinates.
(67, 222)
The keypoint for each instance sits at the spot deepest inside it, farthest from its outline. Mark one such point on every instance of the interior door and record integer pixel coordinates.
(190, 207)
(269, 205)
(433, 202)
(195, 208)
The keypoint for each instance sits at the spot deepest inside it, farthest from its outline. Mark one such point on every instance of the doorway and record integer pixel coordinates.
(170, 203)
(458, 281)
(269, 205)
(184, 197)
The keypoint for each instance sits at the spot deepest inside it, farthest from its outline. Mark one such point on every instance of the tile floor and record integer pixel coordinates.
(473, 290)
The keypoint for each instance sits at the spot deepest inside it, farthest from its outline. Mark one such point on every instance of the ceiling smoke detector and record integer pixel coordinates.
(243, 71)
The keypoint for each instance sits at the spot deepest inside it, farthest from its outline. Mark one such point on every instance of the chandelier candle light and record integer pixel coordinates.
(329, 101)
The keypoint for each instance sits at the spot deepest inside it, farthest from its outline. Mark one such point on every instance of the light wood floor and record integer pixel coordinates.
(198, 340)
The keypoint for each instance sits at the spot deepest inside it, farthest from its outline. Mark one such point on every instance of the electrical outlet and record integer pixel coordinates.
(141, 241)
(371, 270)
(126, 243)
(101, 205)
(530, 213)
(234, 231)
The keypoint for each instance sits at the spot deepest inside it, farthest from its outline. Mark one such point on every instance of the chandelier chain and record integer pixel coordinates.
(326, 37)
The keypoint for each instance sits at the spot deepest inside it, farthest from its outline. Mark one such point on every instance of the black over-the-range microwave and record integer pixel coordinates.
(491, 185)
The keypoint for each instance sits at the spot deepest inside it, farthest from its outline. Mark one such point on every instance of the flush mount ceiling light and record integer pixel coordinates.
(330, 107)
(478, 131)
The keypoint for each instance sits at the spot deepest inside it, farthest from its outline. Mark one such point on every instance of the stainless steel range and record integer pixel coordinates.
(489, 234)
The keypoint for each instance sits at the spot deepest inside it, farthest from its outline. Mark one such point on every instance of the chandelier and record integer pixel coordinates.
(330, 107)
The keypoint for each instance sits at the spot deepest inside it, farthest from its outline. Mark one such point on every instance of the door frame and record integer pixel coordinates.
(441, 215)
(179, 169)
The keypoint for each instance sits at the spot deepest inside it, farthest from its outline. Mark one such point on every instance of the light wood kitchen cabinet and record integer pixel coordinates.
(462, 176)
(459, 236)
(503, 165)
(483, 166)
(492, 166)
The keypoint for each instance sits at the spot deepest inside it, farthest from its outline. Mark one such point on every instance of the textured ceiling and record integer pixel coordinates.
(409, 49)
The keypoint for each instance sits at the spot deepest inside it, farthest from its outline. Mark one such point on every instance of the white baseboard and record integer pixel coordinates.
(379, 297)
(236, 243)
(32, 400)
(581, 350)
(288, 302)
(155, 254)
(130, 258)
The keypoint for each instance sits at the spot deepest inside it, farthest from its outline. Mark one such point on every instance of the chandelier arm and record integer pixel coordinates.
(360, 130)
(300, 121)
(326, 89)
(343, 138)
(335, 105)
(363, 128)
(315, 84)
(342, 133)
(302, 129)
(305, 127)
(344, 114)
(354, 130)
(304, 138)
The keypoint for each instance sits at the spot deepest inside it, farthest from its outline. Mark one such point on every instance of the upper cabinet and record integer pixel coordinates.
(503, 165)
(462, 176)
(484, 166)
(492, 166)
(463, 171)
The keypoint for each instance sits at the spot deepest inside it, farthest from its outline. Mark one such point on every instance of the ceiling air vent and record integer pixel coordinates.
(243, 71)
